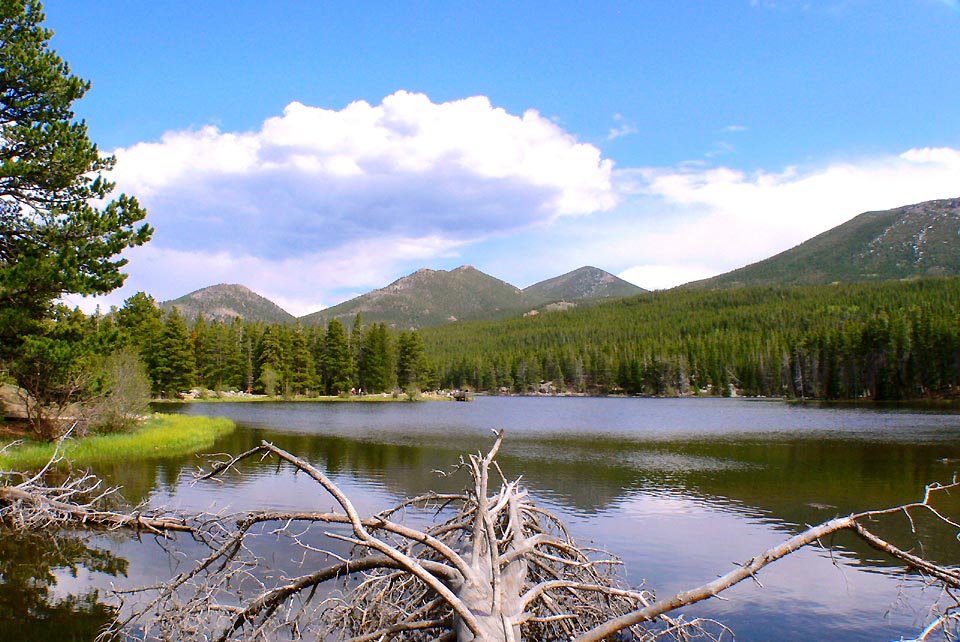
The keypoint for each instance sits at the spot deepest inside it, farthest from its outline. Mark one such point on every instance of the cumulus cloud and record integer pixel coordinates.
(319, 204)
(317, 178)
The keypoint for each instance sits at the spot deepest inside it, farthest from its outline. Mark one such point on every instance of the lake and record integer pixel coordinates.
(680, 489)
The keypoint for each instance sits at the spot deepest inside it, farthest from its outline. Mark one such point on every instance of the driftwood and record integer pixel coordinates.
(33, 504)
(494, 567)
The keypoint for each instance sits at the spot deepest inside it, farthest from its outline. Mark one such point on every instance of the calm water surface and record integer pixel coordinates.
(679, 488)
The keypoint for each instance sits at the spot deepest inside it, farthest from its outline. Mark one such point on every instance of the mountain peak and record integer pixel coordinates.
(221, 289)
(435, 297)
(224, 302)
(586, 282)
(429, 297)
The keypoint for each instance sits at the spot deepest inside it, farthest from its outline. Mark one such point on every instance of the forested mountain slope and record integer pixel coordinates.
(426, 298)
(906, 242)
(883, 341)
(890, 340)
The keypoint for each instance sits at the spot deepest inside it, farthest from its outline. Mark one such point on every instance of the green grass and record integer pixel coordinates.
(160, 436)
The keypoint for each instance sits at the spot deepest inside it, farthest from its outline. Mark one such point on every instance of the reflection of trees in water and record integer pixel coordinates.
(30, 607)
(139, 480)
(462, 589)
(795, 479)
(790, 481)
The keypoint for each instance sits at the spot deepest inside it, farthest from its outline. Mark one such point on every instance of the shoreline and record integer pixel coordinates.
(365, 398)
(160, 436)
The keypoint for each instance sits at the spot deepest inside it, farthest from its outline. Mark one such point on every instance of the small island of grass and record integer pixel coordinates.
(160, 436)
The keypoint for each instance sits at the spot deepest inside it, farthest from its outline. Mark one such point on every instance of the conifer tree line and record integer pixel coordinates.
(887, 341)
(892, 340)
(272, 359)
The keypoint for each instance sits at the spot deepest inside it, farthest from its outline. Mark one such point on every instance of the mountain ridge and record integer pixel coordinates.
(423, 298)
(428, 298)
(922, 239)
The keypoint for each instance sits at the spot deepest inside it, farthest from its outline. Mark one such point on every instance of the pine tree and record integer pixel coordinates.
(337, 362)
(199, 336)
(411, 360)
(223, 358)
(52, 239)
(140, 326)
(56, 369)
(376, 360)
(302, 372)
(356, 339)
(272, 361)
(174, 357)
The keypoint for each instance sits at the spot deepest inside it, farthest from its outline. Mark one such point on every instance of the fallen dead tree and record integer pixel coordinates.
(493, 567)
(31, 502)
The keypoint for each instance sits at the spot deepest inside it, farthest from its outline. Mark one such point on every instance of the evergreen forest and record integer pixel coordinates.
(275, 359)
(887, 341)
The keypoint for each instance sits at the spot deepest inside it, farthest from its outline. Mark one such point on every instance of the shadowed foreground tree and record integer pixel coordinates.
(494, 567)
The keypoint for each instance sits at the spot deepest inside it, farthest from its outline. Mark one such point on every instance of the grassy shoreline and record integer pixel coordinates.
(371, 398)
(160, 436)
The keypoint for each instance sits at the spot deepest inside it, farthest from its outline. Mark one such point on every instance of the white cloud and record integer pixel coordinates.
(663, 276)
(692, 222)
(320, 205)
(318, 178)
(624, 128)
(328, 202)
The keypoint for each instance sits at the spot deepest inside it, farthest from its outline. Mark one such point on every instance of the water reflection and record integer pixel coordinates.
(36, 602)
(679, 489)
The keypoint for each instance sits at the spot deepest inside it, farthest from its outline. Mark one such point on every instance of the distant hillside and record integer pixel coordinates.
(225, 302)
(906, 242)
(423, 299)
(583, 283)
(428, 298)
(815, 342)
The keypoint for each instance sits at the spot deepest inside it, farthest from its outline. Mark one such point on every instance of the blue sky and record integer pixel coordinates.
(314, 150)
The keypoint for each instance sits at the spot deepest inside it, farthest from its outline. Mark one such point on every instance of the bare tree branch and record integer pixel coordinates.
(493, 566)
(77, 501)
(949, 577)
